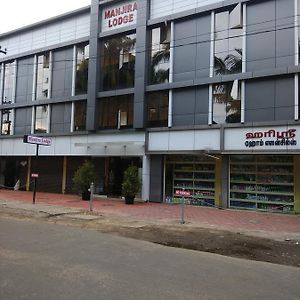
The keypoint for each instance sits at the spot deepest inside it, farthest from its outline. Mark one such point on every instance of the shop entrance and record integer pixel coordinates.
(114, 171)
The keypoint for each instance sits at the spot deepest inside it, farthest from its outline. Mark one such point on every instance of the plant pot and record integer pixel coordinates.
(86, 195)
(129, 199)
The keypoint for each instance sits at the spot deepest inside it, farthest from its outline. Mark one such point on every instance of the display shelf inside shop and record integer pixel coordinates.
(262, 183)
(196, 176)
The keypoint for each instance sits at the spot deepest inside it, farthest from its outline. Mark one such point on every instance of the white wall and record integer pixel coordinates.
(59, 32)
(163, 8)
(85, 145)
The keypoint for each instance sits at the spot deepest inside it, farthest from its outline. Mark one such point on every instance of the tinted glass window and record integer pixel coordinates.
(6, 122)
(116, 112)
(227, 103)
(41, 119)
(118, 62)
(82, 68)
(9, 81)
(157, 109)
(228, 41)
(42, 79)
(80, 116)
(160, 54)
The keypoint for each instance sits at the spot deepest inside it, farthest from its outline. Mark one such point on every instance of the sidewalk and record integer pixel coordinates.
(270, 225)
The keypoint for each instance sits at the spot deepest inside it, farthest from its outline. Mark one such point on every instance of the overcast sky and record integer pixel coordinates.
(18, 13)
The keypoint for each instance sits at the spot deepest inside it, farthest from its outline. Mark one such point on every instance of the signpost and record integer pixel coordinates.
(43, 141)
(182, 193)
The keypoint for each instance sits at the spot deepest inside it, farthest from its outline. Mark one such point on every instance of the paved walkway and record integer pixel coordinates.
(273, 225)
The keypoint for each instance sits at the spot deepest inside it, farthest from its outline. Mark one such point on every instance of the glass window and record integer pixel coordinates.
(82, 68)
(9, 81)
(80, 116)
(41, 119)
(160, 54)
(6, 122)
(227, 102)
(42, 76)
(116, 112)
(228, 41)
(118, 62)
(157, 109)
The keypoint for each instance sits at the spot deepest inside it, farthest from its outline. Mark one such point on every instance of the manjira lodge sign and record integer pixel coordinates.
(118, 16)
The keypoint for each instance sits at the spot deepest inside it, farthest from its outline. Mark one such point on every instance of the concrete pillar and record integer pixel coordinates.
(146, 178)
(94, 67)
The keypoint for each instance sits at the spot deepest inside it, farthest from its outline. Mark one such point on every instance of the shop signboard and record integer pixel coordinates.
(262, 138)
(119, 15)
(182, 193)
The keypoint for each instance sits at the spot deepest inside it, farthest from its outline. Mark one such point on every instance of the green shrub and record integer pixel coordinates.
(84, 176)
(131, 182)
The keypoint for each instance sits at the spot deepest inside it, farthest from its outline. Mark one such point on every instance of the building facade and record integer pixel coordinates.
(201, 95)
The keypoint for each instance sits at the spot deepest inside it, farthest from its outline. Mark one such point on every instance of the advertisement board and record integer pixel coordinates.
(262, 138)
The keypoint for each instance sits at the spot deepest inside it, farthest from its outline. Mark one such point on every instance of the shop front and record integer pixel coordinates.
(255, 168)
(197, 175)
(264, 168)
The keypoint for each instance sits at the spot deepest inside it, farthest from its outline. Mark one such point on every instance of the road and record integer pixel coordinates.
(41, 260)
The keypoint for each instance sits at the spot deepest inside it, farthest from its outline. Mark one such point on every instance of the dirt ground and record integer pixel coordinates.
(183, 236)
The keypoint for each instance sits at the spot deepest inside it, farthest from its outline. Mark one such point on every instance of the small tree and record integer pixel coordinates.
(131, 184)
(84, 176)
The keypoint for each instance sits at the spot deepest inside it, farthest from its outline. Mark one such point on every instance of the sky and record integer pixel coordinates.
(19, 13)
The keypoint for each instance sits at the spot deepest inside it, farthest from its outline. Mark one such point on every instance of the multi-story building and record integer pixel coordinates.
(202, 95)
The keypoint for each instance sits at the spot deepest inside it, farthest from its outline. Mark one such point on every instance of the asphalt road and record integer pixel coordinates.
(41, 260)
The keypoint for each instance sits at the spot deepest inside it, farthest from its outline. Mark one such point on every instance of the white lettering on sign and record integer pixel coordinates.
(182, 193)
(119, 16)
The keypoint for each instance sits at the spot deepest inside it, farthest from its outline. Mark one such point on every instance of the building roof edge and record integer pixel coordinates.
(46, 21)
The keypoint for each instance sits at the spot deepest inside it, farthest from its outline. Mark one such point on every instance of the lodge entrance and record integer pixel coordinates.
(114, 171)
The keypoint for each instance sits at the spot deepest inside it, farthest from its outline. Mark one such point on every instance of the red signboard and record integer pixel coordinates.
(182, 193)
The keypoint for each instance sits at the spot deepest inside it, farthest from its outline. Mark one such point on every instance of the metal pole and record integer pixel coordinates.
(92, 187)
(182, 210)
(35, 178)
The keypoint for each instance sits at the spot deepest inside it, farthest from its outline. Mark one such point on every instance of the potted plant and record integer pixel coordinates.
(83, 178)
(131, 184)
